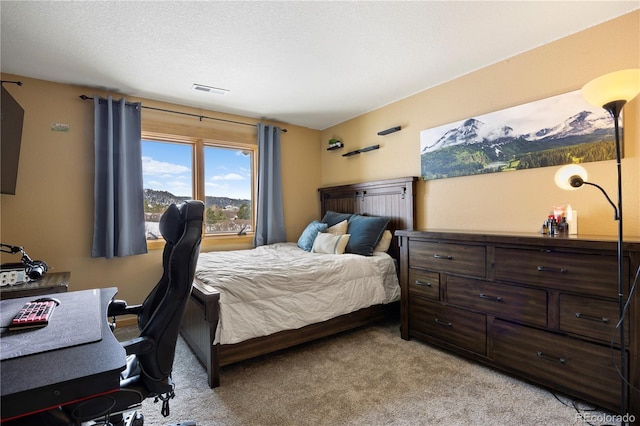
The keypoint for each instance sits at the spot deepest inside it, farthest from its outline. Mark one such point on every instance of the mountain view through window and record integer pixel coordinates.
(169, 174)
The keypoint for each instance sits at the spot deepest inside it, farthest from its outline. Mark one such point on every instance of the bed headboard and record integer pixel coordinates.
(392, 198)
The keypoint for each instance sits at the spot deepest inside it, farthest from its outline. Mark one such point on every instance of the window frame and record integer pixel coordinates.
(198, 145)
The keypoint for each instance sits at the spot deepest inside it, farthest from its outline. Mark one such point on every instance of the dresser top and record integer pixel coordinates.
(603, 242)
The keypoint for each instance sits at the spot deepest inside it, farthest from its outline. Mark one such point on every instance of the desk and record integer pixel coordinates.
(45, 380)
(51, 282)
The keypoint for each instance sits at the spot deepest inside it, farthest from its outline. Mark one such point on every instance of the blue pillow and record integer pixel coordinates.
(305, 242)
(365, 232)
(332, 218)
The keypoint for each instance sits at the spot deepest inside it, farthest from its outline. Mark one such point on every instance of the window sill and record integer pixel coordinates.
(214, 242)
(226, 242)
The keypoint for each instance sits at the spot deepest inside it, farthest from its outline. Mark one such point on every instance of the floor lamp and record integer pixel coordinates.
(611, 92)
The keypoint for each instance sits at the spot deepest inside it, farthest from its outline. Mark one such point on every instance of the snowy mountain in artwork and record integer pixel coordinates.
(474, 131)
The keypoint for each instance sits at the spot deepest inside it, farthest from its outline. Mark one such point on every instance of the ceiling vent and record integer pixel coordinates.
(209, 89)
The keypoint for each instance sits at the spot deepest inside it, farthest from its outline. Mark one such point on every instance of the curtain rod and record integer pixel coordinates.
(87, 98)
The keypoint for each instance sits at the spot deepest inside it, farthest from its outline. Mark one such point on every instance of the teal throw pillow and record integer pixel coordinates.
(305, 242)
(365, 232)
(331, 218)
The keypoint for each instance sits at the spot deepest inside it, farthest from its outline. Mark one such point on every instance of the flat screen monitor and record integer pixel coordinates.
(11, 118)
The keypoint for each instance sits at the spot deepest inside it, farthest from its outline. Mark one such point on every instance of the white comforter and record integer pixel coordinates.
(281, 287)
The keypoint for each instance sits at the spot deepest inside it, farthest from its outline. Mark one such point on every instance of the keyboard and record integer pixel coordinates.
(33, 315)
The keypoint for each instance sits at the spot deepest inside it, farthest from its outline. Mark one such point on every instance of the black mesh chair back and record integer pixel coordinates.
(162, 311)
(150, 356)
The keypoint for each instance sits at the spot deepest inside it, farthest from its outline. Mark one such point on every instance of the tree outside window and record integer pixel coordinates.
(219, 174)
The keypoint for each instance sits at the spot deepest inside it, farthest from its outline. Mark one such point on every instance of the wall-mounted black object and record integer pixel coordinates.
(335, 145)
(11, 119)
(391, 130)
(358, 151)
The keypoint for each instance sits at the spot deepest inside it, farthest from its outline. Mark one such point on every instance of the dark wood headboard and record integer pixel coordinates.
(392, 198)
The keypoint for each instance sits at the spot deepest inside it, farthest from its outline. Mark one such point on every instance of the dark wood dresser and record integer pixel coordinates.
(540, 307)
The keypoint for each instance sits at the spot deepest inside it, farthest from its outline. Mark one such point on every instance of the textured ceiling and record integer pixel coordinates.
(309, 63)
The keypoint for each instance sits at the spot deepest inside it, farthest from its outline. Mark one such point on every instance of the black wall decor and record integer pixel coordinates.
(390, 130)
(358, 151)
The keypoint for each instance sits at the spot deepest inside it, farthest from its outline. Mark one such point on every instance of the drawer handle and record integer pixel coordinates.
(444, 323)
(423, 283)
(548, 358)
(492, 298)
(440, 256)
(592, 318)
(548, 269)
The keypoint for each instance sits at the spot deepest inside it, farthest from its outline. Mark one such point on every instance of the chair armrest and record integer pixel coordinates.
(119, 307)
(138, 345)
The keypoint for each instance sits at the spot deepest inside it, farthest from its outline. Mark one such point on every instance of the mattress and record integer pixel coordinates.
(282, 287)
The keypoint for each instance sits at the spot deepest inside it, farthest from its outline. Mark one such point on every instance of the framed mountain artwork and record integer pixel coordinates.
(554, 131)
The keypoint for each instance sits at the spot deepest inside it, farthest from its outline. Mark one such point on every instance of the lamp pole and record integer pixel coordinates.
(611, 92)
(614, 109)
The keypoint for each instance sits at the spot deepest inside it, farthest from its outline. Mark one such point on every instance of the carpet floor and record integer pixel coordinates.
(369, 376)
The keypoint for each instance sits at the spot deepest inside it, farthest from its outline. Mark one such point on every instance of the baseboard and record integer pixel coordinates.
(126, 321)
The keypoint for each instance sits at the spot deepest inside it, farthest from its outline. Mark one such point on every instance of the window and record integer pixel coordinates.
(227, 189)
(219, 173)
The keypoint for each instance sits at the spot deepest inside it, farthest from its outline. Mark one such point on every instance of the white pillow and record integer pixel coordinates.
(385, 242)
(339, 228)
(329, 243)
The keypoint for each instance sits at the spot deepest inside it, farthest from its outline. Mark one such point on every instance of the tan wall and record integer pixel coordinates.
(514, 201)
(51, 215)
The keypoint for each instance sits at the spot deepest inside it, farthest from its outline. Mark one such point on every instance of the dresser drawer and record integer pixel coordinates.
(464, 329)
(507, 301)
(591, 317)
(580, 368)
(445, 257)
(424, 283)
(583, 273)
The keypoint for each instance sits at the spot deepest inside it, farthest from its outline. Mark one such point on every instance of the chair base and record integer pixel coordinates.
(134, 418)
(131, 418)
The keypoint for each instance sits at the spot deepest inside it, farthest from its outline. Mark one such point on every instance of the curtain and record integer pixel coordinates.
(118, 223)
(270, 214)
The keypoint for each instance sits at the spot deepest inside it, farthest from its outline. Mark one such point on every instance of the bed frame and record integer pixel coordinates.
(393, 198)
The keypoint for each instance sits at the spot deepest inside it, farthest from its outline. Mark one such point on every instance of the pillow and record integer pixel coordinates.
(330, 243)
(365, 232)
(305, 242)
(384, 243)
(331, 218)
(339, 228)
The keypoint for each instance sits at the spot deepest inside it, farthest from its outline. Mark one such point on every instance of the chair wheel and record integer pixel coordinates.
(139, 420)
(134, 419)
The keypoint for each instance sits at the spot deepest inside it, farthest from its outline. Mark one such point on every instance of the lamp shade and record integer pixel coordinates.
(621, 85)
(565, 175)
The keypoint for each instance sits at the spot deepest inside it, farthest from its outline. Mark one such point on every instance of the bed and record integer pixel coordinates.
(212, 324)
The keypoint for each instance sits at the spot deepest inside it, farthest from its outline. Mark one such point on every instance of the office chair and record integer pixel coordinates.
(150, 356)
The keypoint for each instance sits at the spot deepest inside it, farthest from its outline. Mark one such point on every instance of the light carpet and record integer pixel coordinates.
(369, 376)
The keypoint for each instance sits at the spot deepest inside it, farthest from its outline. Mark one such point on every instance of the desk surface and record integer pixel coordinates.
(51, 282)
(79, 306)
(45, 380)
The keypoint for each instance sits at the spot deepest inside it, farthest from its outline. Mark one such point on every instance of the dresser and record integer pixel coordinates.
(542, 308)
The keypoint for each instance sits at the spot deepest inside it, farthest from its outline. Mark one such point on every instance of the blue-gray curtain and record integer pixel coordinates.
(118, 221)
(270, 214)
